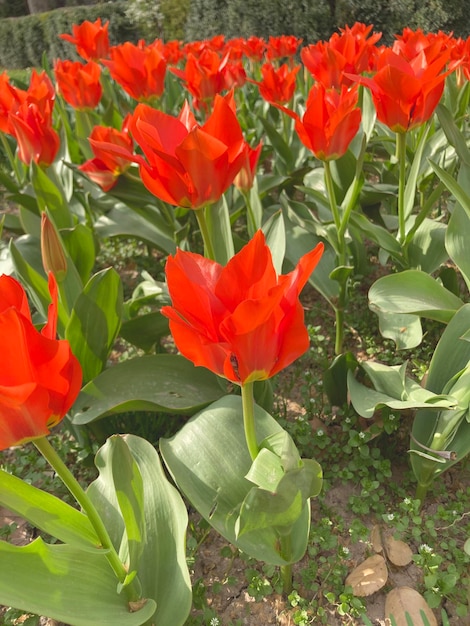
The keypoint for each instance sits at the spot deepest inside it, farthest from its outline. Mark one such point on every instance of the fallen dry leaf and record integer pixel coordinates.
(369, 576)
(376, 538)
(405, 600)
(398, 552)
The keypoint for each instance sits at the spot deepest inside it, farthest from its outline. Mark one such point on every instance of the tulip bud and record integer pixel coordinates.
(52, 251)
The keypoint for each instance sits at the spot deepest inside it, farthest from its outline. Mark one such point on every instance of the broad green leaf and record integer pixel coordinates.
(454, 135)
(162, 570)
(208, 459)
(220, 231)
(46, 512)
(281, 147)
(80, 244)
(335, 378)
(376, 233)
(275, 233)
(50, 198)
(403, 328)
(450, 357)
(427, 250)
(392, 388)
(146, 225)
(415, 292)
(162, 382)
(95, 321)
(144, 331)
(454, 187)
(298, 243)
(413, 173)
(67, 584)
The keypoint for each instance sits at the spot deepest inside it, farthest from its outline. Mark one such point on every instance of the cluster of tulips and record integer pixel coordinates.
(76, 136)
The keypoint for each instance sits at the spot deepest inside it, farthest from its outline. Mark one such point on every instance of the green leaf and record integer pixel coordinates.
(147, 225)
(46, 512)
(65, 583)
(281, 148)
(139, 504)
(50, 197)
(454, 187)
(450, 357)
(162, 382)
(427, 250)
(413, 173)
(144, 331)
(392, 388)
(95, 321)
(415, 292)
(403, 328)
(220, 230)
(80, 244)
(275, 234)
(208, 459)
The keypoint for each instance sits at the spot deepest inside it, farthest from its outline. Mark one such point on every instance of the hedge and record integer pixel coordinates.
(24, 40)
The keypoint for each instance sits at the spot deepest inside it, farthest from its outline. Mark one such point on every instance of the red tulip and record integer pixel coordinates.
(350, 51)
(255, 48)
(113, 150)
(241, 321)
(330, 122)
(406, 93)
(245, 177)
(204, 77)
(282, 46)
(278, 84)
(10, 99)
(39, 376)
(79, 84)
(91, 39)
(139, 69)
(37, 140)
(187, 164)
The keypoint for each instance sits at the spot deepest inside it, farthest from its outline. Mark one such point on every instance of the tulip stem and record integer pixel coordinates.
(54, 460)
(401, 155)
(209, 251)
(248, 404)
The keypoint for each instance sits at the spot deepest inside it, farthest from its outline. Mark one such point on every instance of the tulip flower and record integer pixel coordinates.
(140, 69)
(330, 122)
(203, 76)
(351, 51)
(37, 140)
(245, 177)
(282, 46)
(79, 84)
(278, 83)
(242, 321)
(10, 99)
(91, 39)
(406, 93)
(187, 164)
(39, 376)
(113, 154)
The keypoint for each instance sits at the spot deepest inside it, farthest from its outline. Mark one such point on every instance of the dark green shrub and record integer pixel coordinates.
(24, 40)
(310, 20)
(175, 15)
(13, 8)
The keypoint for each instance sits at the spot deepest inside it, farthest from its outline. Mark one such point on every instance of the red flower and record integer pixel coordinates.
(278, 84)
(79, 84)
(10, 99)
(245, 177)
(282, 46)
(39, 376)
(406, 93)
(351, 51)
(113, 150)
(241, 321)
(37, 140)
(255, 48)
(91, 40)
(139, 69)
(204, 77)
(330, 122)
(189, 165)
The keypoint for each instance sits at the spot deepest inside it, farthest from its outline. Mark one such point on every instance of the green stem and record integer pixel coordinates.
(421, 491)
(339, 324)
(248, 404)
(209, 251)
(286, 570)
(401, 155)
(332, 200)
(88, 508)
